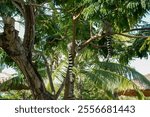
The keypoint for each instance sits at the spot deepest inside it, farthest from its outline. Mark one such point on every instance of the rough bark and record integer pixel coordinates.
(69, 85)
(21, 53)
(12, 45)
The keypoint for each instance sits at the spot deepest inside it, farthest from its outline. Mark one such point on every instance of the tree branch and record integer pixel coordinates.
(84, 44)
(132, 36)
(29, 28)
(138, 29)
(20, 5)
(100, 36)
(1, 39)
(100, 46)
(49, 74)
(90, 40)
(74, 21)
(60, 89)
(48, 71)
(74, 35)
(28, 13)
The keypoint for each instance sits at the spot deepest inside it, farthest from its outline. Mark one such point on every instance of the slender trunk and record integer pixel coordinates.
(69, 85)
(69, 88)
(66, 91)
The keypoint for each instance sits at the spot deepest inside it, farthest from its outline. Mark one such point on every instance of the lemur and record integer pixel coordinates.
(70, 58)
(108, 31)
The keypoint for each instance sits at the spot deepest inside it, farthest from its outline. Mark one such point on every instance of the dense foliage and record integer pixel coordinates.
(59, 22)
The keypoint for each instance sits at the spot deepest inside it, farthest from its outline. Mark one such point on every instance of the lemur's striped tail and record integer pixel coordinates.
(109, 48)
(70, 57)
(70, 65)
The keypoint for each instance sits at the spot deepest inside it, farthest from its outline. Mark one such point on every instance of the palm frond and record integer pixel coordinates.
(108, 80)
(125, 71)
(60, 71)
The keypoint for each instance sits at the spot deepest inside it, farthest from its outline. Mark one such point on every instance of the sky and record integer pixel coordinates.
(142, 65)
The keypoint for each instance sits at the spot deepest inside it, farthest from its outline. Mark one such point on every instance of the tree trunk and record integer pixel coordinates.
(12, 45)
(34, 80)
(69, 87)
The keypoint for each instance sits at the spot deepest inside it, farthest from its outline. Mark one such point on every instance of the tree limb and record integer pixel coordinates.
(132, 36)
(97, 47)
(28, 13)
(29, 28)
(20, 5)
(48, 71)
(84, 44)
(60, 89)
(49, 74)
(138, 29)
(0, 39)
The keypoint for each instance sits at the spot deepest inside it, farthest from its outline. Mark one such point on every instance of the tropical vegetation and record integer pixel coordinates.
(40, 57)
